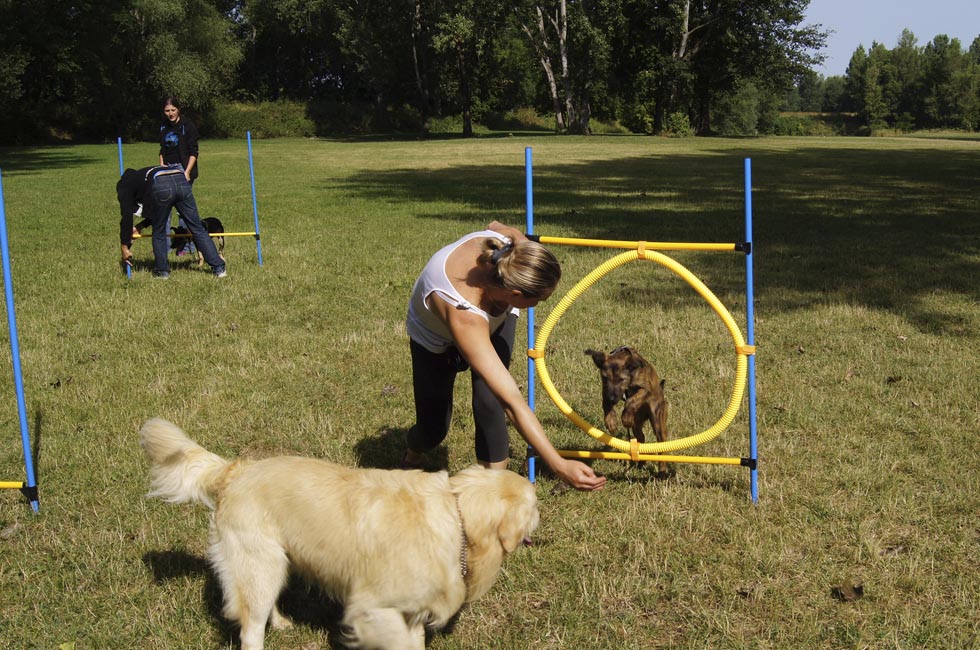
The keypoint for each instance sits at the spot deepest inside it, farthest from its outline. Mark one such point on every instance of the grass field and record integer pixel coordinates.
(867, 265)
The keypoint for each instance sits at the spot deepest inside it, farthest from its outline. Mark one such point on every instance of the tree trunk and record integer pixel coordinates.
(583, 114)
(464, 91)
(560, 23)
(542, 46)
(421, 80)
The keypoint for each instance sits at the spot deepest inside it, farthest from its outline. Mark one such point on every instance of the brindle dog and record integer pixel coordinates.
(627, 376)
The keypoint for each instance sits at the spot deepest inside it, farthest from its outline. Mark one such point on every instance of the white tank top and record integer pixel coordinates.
(423, 325)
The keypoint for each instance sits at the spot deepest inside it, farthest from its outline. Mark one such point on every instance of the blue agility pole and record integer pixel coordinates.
(119, 143)
(30, 489)
(255, 203)
(529, 200)
(750, 333)
(129, 269)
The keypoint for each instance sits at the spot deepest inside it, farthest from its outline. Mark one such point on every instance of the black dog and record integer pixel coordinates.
(182, 244)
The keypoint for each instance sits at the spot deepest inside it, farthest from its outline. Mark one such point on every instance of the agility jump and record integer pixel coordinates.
(743, 346)
(255, 208)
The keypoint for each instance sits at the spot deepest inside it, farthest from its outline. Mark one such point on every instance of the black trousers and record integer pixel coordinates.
(433, 378)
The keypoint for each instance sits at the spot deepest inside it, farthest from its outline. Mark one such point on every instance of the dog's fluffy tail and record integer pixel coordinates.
(181, 470)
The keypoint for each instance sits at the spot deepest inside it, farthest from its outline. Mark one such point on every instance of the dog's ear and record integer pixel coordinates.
(634, 362)
(598, 358)
(520, 518)
(659, 420)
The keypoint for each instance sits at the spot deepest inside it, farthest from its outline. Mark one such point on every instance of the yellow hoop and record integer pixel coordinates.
(617, 443)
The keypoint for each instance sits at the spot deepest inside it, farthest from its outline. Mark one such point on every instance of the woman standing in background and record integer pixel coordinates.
(178, 139)
(178, 144)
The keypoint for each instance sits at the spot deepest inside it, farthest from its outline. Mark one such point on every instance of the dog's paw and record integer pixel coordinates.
(611, 422)
(279, 622)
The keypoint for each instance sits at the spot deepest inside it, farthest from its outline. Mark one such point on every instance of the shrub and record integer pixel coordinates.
(331, 117)
(637, 119)
(679, 125)
(442, 125)
(282, 118)
(905, 123)
(608, 128)
(809, 124)
(519, 119)
(737, 113)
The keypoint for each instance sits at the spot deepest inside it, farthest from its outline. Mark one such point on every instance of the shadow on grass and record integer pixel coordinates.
(301, 602)
(21, 160)
(885, 229)
(385, 451)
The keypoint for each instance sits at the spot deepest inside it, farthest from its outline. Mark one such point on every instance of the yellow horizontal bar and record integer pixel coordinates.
(649, 245)
(210, 234)
(16, 485)
(618, 455)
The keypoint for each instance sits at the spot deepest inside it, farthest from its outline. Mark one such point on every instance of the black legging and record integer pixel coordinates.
(433, 377)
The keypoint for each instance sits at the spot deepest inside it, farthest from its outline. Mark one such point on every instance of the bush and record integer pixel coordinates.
(679, 125)
(637, 119)
(403, 119)
(608, 128)
(278, 119)
(812, 124)
(520, 119)
(905, 123)
(331, 117)
(443, 125)
(737, 113)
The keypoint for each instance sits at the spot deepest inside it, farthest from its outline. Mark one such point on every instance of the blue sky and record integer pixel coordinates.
(860, 22)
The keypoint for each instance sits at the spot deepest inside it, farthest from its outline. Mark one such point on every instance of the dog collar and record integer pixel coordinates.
(463, 552)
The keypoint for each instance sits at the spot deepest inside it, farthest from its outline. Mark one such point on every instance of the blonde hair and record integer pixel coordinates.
(526, 266)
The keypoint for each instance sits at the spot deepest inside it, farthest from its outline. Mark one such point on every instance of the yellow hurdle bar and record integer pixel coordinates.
(210, 234)
(648, 245)
(15, 485)
(619, 455)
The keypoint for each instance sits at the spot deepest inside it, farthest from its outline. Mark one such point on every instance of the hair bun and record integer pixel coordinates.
(500, 252)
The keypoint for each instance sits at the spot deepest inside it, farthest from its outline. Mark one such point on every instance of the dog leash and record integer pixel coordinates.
(464, 567)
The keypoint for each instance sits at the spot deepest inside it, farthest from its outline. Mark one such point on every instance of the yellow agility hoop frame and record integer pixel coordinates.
(632, 447)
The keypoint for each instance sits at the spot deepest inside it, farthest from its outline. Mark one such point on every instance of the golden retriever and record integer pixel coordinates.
(401, 550)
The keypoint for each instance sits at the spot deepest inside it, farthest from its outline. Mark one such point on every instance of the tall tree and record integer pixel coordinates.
(546, 26)
(943, 62)
(458, 37)
(290, 49)
(876, 109)
(99, 69)
(906, 61)
(853, 100)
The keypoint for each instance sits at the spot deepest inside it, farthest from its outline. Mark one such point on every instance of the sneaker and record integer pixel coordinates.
(161, 276)
(221, 273)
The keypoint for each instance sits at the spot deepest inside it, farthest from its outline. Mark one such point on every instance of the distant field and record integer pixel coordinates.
(867, 259)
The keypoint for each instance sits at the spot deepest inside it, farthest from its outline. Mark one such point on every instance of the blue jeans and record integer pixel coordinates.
(173, 191)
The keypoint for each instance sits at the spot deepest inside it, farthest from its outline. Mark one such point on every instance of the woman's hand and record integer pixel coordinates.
(514, 234)
(579, 475)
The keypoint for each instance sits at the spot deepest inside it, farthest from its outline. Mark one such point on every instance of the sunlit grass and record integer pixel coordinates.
(866, 261)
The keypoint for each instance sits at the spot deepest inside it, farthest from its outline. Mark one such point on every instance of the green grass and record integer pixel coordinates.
(867, 259)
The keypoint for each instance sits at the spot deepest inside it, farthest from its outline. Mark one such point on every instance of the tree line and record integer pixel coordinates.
(97, 69)
(933, 86)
